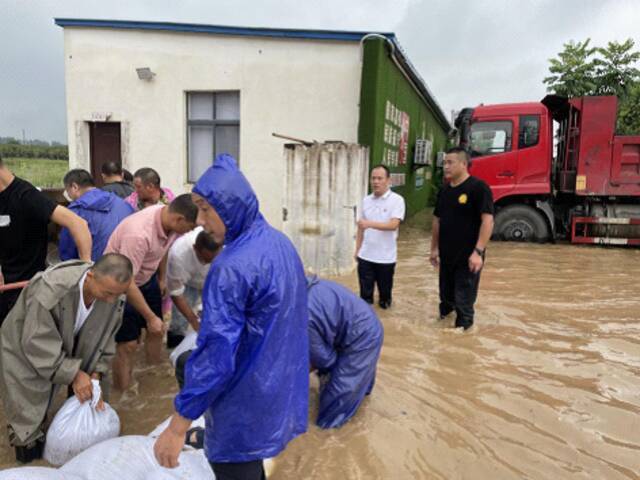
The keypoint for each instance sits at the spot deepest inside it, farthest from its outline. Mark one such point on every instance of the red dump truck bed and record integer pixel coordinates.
(592, 160)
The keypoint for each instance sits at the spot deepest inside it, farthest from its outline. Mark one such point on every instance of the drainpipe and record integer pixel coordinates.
(362, 40)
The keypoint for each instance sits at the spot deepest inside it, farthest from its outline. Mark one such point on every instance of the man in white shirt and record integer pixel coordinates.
(187, 267)
(376, 240)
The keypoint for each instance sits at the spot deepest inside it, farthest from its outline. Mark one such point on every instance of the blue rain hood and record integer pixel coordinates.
(229, 193)
(345, 338)
(103, 211)
(249, 373)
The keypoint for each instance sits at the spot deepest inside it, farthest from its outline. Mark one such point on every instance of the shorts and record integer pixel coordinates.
(132, 321)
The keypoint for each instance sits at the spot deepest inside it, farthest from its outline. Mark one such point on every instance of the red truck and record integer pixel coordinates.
(589, 191)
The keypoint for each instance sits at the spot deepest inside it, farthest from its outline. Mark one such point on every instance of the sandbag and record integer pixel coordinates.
(131, 457)
(36, 473)
(156, 432)
(77, 426)
(187, 343)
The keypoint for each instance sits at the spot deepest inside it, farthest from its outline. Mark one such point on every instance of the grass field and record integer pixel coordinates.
(41, 172)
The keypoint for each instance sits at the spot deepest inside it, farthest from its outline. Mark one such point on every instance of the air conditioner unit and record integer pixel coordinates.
(422, 155)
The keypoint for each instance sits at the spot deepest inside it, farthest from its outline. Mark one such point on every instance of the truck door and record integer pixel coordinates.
(534, 151)
(493, 155)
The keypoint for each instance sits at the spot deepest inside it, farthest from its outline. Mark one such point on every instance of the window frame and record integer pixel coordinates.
(508, 139)
(213, 123)
(521, 120)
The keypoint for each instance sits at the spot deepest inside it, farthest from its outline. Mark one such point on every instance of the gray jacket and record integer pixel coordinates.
(38, 350)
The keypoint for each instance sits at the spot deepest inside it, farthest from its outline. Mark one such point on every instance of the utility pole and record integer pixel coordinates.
(24, 138)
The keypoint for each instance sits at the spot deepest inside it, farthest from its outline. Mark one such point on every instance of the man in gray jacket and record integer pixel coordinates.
(61, 332)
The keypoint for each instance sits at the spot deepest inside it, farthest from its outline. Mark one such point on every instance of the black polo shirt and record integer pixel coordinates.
(24, 216)
(460, 210)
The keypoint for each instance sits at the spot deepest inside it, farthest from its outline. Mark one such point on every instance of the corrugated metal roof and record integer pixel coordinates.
(338, 35)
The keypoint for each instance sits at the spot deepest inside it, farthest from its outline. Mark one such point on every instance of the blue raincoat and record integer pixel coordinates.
(345, 338)
(103, 211)
(250, 368)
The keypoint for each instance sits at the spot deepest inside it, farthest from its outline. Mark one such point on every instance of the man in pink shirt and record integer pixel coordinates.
(145, 238)
(148, 191)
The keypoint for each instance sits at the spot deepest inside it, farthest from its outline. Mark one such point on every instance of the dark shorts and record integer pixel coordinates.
(132, 321)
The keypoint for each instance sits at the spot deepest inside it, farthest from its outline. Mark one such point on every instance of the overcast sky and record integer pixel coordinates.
(468, 51)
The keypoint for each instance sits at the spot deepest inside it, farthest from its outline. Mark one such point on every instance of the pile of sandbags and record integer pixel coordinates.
(123, 458)
(36, 473)
(131, 458)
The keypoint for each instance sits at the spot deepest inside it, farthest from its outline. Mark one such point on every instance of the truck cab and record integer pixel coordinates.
(511, 147)
(590, 190)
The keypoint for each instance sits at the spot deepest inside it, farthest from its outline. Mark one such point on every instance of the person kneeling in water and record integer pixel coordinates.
(345, 338)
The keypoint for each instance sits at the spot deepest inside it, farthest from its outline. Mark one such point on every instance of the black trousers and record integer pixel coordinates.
(239, 471)
(458, 291)
(7, 300)
(380, 274)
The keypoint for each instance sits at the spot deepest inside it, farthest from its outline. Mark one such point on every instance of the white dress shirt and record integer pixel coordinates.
(379, 246)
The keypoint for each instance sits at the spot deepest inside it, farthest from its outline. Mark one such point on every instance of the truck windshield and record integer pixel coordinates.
(490, 138)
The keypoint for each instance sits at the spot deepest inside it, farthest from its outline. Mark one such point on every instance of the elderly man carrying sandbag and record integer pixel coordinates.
(60, 332)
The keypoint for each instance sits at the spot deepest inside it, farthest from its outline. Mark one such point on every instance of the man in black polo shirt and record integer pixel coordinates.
(24, 216)
(462, 226)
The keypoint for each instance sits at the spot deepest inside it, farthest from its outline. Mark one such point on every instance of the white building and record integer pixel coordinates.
(172, 96)
(212, 89)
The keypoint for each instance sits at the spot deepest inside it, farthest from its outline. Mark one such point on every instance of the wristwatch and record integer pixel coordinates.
(478, 251)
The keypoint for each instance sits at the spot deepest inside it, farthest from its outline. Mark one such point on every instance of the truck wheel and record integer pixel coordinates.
(520, 223)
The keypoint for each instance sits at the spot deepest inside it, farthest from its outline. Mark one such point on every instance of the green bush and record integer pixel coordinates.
(10, 150)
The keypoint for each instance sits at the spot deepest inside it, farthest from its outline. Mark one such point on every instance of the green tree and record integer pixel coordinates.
(582, 70)
(615, 69)
(573, 73)
(629, 112)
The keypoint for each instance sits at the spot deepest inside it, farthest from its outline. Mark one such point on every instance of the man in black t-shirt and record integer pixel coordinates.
(462, 226)
(24, 216)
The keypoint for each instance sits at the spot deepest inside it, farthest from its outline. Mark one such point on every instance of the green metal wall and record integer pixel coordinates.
(383, 86)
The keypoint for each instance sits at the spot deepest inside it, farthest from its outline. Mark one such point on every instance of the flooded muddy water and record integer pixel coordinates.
(546, 385)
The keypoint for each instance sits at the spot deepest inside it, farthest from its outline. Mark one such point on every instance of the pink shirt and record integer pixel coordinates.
(166, 198)
(141, 238)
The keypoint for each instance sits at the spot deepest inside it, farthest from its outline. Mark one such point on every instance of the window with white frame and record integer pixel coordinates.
(213, 127)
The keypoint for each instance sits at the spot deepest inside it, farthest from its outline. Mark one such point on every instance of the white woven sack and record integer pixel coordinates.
(77, 426)
(36, 473)
(187, 343)
(156, 432)
(131, 458)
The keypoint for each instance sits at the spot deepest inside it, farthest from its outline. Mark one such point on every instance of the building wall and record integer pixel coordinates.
(386, 98)
(325, 186)
(303, 88)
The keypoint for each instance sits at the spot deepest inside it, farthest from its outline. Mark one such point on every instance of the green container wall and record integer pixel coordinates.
(382, 82)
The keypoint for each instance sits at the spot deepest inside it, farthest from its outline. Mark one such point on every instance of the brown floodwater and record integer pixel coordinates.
(546, 385)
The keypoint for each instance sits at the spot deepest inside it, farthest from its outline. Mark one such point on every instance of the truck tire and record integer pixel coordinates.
(520, 223)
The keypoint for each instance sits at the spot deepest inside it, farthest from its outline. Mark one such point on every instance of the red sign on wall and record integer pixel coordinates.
(404, 138)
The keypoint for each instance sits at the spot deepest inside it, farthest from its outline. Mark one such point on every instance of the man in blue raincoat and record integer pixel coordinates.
(103, 211)
(345, 338)
(250, 368)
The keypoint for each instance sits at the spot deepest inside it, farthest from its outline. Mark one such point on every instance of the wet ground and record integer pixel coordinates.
(545, 386)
